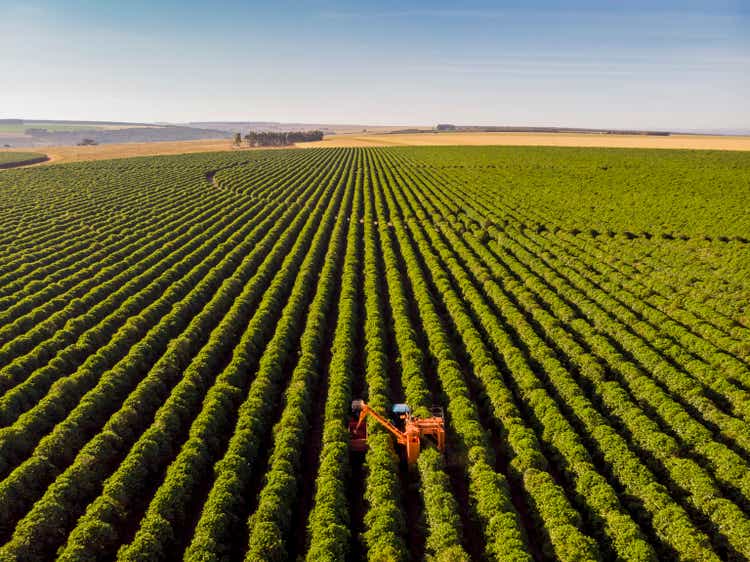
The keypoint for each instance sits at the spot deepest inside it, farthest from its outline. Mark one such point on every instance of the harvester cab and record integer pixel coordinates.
(399, 413)
(408, 429)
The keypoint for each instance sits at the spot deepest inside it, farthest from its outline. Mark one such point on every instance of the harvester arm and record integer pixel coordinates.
(366, 410)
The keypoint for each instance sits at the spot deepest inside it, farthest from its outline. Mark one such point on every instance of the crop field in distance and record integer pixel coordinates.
(65, 154)
(60, 126)
(108, 151)
(15, 159)
(181, 338)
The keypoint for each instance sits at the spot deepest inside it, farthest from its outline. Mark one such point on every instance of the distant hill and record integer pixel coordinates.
(279, 127)
(442, 127)
(37, 132)
(727, 132)
(130, 134)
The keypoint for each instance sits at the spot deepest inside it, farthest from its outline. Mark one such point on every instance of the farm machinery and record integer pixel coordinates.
(408, 429)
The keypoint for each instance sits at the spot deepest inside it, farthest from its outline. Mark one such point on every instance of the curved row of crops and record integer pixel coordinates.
(15, 159)
(181, 339)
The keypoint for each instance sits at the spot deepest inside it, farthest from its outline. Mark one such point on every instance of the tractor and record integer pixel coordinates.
(408, 429)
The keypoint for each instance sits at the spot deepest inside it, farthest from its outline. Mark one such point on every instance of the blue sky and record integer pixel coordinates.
(584, 63)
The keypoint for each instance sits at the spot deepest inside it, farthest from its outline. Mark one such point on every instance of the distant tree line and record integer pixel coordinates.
(267, 138)
(505, 129)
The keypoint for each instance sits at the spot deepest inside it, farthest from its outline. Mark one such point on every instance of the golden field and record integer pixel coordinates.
(62, 154)
(705, 142)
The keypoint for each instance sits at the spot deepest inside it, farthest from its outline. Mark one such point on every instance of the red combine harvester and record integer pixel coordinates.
(414, 428)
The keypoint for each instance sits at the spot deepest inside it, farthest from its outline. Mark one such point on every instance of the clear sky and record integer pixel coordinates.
(629, 63)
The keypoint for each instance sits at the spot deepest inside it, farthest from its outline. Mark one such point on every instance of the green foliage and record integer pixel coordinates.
(12, 159)
(180, 336)
(691, 192)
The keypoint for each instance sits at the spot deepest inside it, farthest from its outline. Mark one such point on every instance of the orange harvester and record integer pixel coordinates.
(411, 437)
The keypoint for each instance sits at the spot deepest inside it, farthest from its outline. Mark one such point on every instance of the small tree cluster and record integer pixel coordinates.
(267, 138)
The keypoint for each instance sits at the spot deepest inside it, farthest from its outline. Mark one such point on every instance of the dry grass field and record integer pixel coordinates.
(62, 154)
(541, 139)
